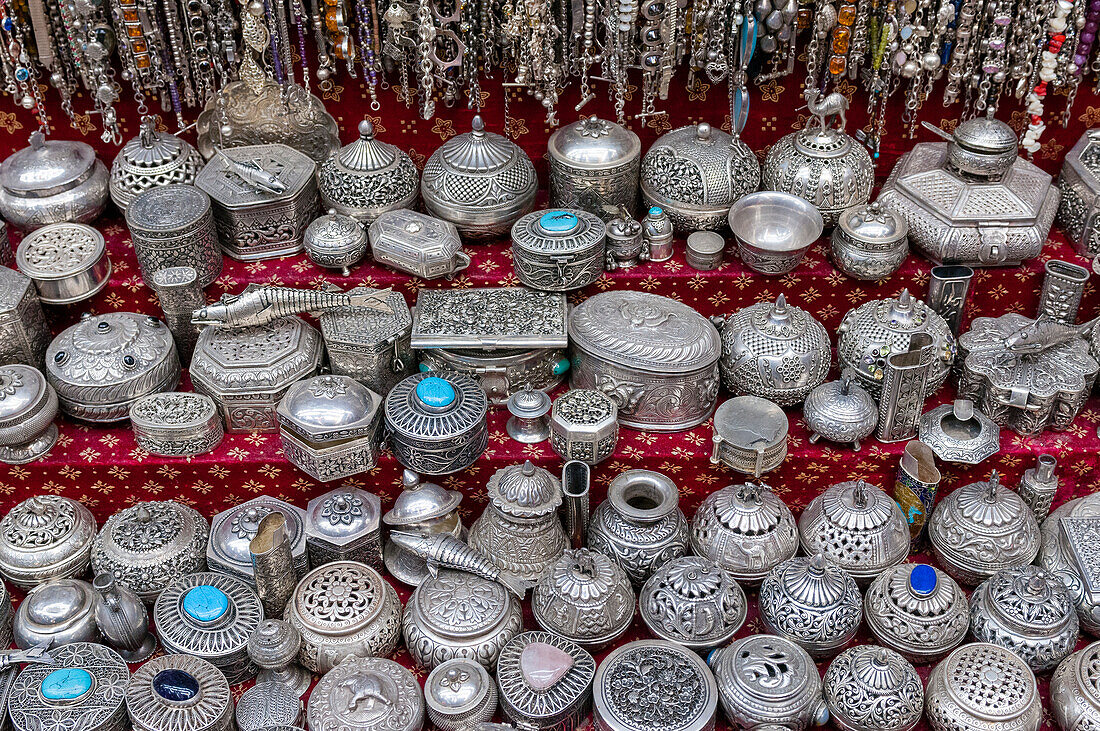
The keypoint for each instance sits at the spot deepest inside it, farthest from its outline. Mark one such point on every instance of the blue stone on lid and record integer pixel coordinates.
(435, 392)
(922, 579)
(205, 603)
(558, 222)
(66, 684)
(175, 685)
(655, 210)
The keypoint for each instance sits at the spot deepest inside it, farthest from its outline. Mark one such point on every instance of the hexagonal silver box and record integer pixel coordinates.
(1079, 183)
(344, 525)
(584, 425)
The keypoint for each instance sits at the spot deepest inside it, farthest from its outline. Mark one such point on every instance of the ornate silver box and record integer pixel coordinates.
(694, 602)
(370, 346)
(24, 334)
(367, 694)
(460, 694)
(870, 242)
(179, 692)
(918, 611)
(584, 425)
(335, 241)
(232, 530)
(28, 406)
(982, 686)
(173, 225)
(436, 423)
(52, 181)
(813, 603)
(559, 250)
(545, 682)
(55, 613)
(870, 688)
(68, 262)
(840, 411)
(1074, 690)
(149, 545)
(247, 370)
(746, 529)
(45, 537)
(584, 597)
(656, 358)
(149, 160)
(264, 198)
(367, 178)
(104, 363)
(84, 688)
(175, 424)
(416, 244)
(1079, 185)
(749, 435)
(594, 166)
(344, 525)
(1070, 537)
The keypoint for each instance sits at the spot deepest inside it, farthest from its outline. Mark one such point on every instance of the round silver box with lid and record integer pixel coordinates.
(870, 688)
(336, 241)
(150, 160)
(367, 694)
(460, 694)
(856, 526)
(179, 692)
(812, 602)
(982, 686)
(775, 351)
(52, 181)
(343, 608)
(1026, 610)
(149, 545)
(210, 616)
(57, 612)
(104, 363)
(558, 250)
(594, 166)
(479, 181)
(457, 614)
(84, 688)
(759, 448)
(28, 405)
(45, 537)
(918, 611)
(344, 525)
(746, 529)
(425, 509)
(695, 173)
(436, 422)
(654, 685)
(585, 597)
(840, 411)
(693, 602)
(232, 530)
(367, 178)
(545, 682)
(870, 242)
(173, 226)
(981, 528)
(67, 262)
(176, 424)
(1075, 690)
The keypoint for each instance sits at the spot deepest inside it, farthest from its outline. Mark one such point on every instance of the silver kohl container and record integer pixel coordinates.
(558, 250)
(173, 225)
(335, 241)
(180, 295)
(594, 166)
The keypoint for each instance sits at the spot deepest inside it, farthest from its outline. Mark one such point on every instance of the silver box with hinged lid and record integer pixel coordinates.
(436, 422)
(1075, 690)
(692, 601)
(335, 241)
(558, 250)
(172, 226)
(84, 688)
(746, 529)
(870, 242)
(52, 181)
(232, 530)
(584, 425)
(594, 166)
(370, 346)
(329, 426)
(918, 611)
(656, 358)
(584, 597)
(813, 603)
(24, 332)
(179, 692)
(68, 262)
(264, 198)
(982, 686)
(367, 178)
(45, 537)
(149, 160)
(344, 525)
(501, 373)
(176, 424)
(870, 688)
(247, 370)
(749, 435)
(367, 694)
(1079, 185)
(344, 608)
(28, 406)
(149, 545)
(416, 244)
(545, 682)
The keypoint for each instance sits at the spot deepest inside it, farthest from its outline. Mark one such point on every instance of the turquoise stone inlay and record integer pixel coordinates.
(66, 684)
(558, 222)
(436, 392)
(561, 366)
(205, 603)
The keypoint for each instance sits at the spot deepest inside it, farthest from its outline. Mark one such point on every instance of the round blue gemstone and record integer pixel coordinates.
(22, 74)
(558, 222)
(9, 24)
(435, 392)
(205, 603)
(655, 210)
(922, 579)
(175, 685)
(66, 684)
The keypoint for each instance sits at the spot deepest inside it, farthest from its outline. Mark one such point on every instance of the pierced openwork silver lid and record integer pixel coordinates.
(692, 601)
(524, 491)
(746, 529)
(149, 160)
(873, 688)
(45, 537)
(983, 686)
(812, 602)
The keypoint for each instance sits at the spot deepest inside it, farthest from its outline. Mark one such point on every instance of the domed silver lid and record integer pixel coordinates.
(748, 509)
(692, 601)
(23, 391)
(585, 596)
(986, 135)
(420, 501)
(393, 693)
(980, 684)
(868, 687)
(55, 605)
(367, 154)
(459, 688)
(105, 351)
(47, 167)
(342, 515)
(328, 408)
(524, 491)
(595, 144)
(232, 530)
(477, 151)
(812, 602)
(843, 400)
(152, 149)
(43, 537)
(873, 225)
(368, 177)
(1030, 601)
(335, 232)
(917, 610)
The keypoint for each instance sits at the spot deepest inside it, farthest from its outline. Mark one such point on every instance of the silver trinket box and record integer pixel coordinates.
(917, 611)
(24, 333)
(584, 425)
(695, 173)
(858, 527)
(416, 244)
(870, 242)
(180, 692)
(656, 358)
(871, 688)
(329, 427)
(150, 160)
(501, 373)
(424, 509)
(274, 648)
(45, 537)
(528, 422)
(232, 530)
(625, 244)
(840, 411)
(958, 433)
(813, 603)
(84, 688)
(749, 435)
(775, 351)
(335, 241)
(52, 181)
(368, 178)
(247, 370)
(344, 525)
(558, 250)
(264, 197)
(594, 166)
(173, 226)
(104, 363)
(175, 424)
(460, 695)
(654, 685)
(584, 597)
(545, 682)
(746, 529)
(28, 406)
(67, 262)
(149, 545)
(479, 181)
(1074, 691)
(370, 346)
(704, 250)
(268, 705)
(693, 602)
(367, 694)
(55, 613)
(982, 686)
(1079, 186)
(436, 422)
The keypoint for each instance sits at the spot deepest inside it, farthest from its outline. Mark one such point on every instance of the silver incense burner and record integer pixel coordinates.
(368, 177)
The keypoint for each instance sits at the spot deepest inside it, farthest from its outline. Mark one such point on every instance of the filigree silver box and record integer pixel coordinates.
(174, 424)
(173, 225)
(545, 682)
(370, 346)
(24, 333)
(558, 250)
(416, 244)
(1079, 184)
(83, 688)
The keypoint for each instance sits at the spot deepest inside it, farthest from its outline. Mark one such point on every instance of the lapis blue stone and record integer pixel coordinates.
(205, 603)
(66, 684)
(435, 392)
(175, 685)
(922, 579)
(558, 222)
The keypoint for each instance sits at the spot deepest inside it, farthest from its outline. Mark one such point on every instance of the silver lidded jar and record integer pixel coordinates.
(1026, 610)
(813, 603)
(585, 597)
(45, 537)
(344, 525)
(840, 411)
(746, 529)
(370, 346)
(173, 226)
(1079, 185)
(753, 451)
(982, 686)
(981, 528)
(870, 242)
(917, 611)
(28, 406)
(1075, 690)
(460, 694)
(150, 160)
(57, 612)
(640, 524)
(24, 333)
(436, 422)
(558, 250)
(856, 526)
(425, 509)
(479, 181)
(457, 614)
(594, 166)
(870, 688)
(180, 692)
(67, 262)
(84, 688)
(368, 177)
(234, 528)
(775, 351)
(336, 241)
(367, 694)
(52, 181)
(695, 173)
(545, 682)
(693, 602)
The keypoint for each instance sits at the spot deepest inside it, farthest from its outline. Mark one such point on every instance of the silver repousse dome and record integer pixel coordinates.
(367, 178)
(150, 160)
(525, 490)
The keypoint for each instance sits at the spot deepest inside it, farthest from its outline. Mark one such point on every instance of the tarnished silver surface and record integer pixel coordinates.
(625, 243)
(28, 406)
(774, 230)
(152, 159)
(171, 226)
(344, 524)
(424, 509)
(367, 694)
(436, 422)
(371, 346)
(1075, 690)
(367, 178)
(180, 692)
(746, 529)
(45, 537)
(654, 685)
(67, 262)
(918, 611)
(870, 688)
(584, 597)
(176, 424)
(576, 488)
(545, 682)
(640, 524)
(24, 333)
(594, 166)
(457, 614)
(1038, 486)
(123, 619)
(840, 411)
(460, 694)
(749, 435)
(812, 602)
(416, 244)
(692, 601)
(558, 250)
(584, 425)
(858, 527)
(982, 686)
(956, 432)
(84, 688)
(57, 612)
(870, 242)
(268, 704)
(704, 250)
(656, 358)
(1079, 185)
(490, 318)
(52, 181)
(981, 528)
(344, 608)
(273, 646)
(232, 530)
(775, 351)
(764, 679)
(335, 241)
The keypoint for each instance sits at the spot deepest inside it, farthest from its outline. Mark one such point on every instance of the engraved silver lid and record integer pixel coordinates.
(420, 502)
(461, 608)
(232, 530)
(263, 358)
(367, 694)
(557, 232)
(84, 688)
(584, 596)
(343, 515)
(335, 234)
(268, 704)
(524, 491)
(982, 686)
(179, 692)
(812, 602)
(543, 679)
(363, 326)
(367, 177)
(746, 529)
(918, 611)
(24, 393)
(59, 251)
(490, 318)
(435, 407)
(841, 411)
(958, 432)
(167, 208)
(326, 409)
(874, 228)
(870, 688)
(293, 170)
(692, 601)
(459, 694)
(47, 167)
(45, 537)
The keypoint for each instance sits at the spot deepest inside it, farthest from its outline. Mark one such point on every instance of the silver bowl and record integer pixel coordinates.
(774, 230)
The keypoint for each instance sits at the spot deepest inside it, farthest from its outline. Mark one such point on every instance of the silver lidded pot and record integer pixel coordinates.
(559, 250)
(150, 160)
(28, 405)
(917, 611)
(746, 529)
(367, 694)
(368, 177)
(813, 603)
(479, 181)
(545, 682)
(426, 509)
(840, 411)
(695, 173)
(52, 181)
(181, 692)
(594, 166)
(336, 241)
(584, 597)
(460, 694)
(1075, 690)
(983, 686)
(45, 537)
(693, 602)
(870, 688)
(436, 422)
(57, 612)
(870, 242)
(67, 262)
(344, 525)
